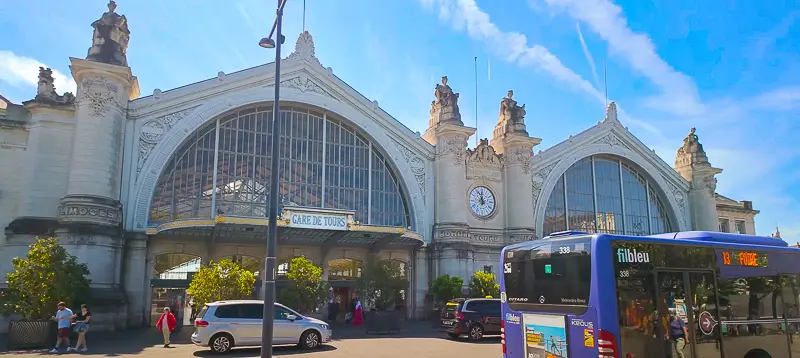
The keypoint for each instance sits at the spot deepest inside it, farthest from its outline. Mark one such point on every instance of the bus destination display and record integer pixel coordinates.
(744, 258)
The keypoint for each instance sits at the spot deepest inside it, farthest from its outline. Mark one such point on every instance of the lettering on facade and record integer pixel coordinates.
(319, 221)
(453, 234)
(72, 212)
(486, 239)
(521, 238)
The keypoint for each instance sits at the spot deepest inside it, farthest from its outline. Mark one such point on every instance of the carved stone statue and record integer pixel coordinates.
(445, 107)
(111, 36)
(691, 152)
(46, 90)
(484, 153)
(511, 112)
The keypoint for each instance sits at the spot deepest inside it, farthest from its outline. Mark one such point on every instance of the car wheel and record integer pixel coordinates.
(476, 333)
(310, 339)
(454, 335)
(221, 343)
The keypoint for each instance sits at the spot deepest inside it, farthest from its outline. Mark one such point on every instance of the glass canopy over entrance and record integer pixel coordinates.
(223, 169)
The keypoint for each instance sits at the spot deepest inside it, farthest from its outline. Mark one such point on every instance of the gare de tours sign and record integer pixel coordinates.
(320, 220)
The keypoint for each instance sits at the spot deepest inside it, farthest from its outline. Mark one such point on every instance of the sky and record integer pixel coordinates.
(729, 68)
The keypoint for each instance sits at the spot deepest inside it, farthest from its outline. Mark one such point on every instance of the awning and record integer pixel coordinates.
(296, 225)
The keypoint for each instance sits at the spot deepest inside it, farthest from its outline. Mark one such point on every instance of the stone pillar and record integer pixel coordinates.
(450, 172)
(90, 214)
(692, 164)
(135, 277)
(512, 141)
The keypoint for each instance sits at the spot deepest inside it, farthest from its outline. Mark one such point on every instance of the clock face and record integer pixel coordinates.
(482, 201)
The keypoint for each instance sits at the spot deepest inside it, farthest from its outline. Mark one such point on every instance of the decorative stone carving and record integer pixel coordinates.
(111, 36)
(680, 199)
(99, 94)
(691, 152)
(455, 146)
(520, 156)
(416, 164)
(303, 84)
(484, 153)
(304, 49)
(611, 112)
(153, 131)
(710, 183)
(612, 140)
(537, 180)
(445, 108)
(484, 176)
(46, 90)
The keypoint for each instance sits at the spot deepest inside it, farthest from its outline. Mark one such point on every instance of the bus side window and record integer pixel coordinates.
(791, 294)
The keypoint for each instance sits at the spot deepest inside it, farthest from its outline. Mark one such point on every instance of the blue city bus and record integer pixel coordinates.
(579, 295)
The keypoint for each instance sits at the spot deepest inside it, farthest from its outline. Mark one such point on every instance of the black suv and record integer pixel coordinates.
(474, 317)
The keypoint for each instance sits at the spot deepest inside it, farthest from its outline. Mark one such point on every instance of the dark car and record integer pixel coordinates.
(474, 317)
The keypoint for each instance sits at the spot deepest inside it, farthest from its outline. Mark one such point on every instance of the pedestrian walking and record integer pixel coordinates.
(166, 324)
(64, 318)
(81, 327)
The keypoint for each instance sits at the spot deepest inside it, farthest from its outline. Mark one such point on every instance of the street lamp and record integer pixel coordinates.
(272, 235)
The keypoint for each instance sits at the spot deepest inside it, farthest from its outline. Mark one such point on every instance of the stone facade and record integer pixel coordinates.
(84, 168)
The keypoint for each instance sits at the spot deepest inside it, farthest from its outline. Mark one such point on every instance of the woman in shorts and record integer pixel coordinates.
(81, 327)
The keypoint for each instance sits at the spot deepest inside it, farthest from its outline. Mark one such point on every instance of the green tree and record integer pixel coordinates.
(380, 282)
(446, 288)
(483, 284)
(47, 275)
(306, 291)
(221, 280)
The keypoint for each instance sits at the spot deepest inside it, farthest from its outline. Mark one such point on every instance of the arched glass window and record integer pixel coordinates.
(325, 162)
(607, 195)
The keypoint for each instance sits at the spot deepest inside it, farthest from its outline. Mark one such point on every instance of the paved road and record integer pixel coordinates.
(415, 343)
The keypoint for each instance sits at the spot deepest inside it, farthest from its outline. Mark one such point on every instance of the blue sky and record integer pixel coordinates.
(731, 69)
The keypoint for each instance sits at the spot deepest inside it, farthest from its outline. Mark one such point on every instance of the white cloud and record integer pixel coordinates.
(679, 93)
(588, 55)
(781, 99)
(465, 15)
(21, 71)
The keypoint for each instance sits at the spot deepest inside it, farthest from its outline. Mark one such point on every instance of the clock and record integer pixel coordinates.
(482, 202)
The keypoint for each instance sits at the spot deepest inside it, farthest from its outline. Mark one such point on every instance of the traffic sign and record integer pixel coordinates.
(706, 322)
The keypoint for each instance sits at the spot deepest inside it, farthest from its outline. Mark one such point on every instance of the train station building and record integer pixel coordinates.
(147, 188)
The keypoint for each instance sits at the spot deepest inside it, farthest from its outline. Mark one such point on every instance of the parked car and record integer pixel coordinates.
(474, 317)
(223, 325)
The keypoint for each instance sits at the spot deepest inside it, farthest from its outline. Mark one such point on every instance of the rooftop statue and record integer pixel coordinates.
(445, 107)
(111, 36)
(46, 90)
(510, 112)
(691, 152)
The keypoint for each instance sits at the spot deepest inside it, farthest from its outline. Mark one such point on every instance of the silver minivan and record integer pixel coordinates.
(223, 325)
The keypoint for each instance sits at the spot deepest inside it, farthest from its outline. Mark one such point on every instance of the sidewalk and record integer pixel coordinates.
(136, 341)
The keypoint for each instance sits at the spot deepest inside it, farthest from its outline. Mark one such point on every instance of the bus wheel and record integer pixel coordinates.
(475, 332)
(757, 353)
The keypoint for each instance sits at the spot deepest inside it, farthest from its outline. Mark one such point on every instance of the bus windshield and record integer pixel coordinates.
(535, 275)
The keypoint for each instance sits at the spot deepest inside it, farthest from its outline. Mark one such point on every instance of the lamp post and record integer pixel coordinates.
(272, 212)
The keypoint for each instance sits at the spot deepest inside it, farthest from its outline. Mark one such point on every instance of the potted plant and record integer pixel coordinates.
(46, 276)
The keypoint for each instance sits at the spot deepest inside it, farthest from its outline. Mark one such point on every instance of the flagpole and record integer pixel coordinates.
(605, 81)
(476, 102)
(304, 15)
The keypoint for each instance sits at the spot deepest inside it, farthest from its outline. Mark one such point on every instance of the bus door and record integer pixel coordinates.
(688, 296)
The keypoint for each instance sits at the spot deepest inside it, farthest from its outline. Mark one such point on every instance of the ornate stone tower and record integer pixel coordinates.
(90, 215)
(451, 230)
(692, 164)
(511, 140)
